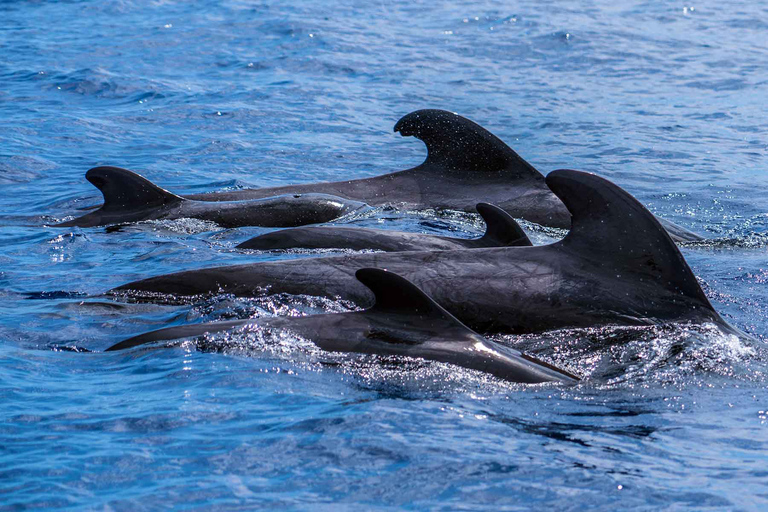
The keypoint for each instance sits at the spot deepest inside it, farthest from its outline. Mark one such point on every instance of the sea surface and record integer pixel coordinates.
(667, 99)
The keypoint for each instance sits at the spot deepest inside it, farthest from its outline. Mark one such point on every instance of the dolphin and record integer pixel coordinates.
(466, 164)
(129, 197)
(616, 266)
(403, 321)
(501, 231)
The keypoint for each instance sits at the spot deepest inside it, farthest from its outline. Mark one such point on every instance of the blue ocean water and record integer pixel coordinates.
(667, 99)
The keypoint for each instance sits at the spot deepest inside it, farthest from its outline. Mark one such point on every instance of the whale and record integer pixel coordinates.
(465, 165)
(616, 266)
(403, 321)
(501, 231)
(129, 197)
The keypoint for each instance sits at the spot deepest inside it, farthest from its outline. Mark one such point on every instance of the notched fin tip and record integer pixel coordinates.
(456, 144)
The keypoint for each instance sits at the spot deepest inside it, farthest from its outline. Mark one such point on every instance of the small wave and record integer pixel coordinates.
(398, 375)
(612, 356)
(668, 353)
(100, 83)
(307, 252)
(22, 169)
(228, 307)
(747, 241)
(474, 225)
(184, 226)
(55, 294)
(69, 348)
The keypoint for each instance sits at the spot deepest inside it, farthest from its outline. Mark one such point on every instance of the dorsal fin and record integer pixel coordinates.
(501, 229)
(395, 294)
(125, 190)
(457, 144)
(613, 229)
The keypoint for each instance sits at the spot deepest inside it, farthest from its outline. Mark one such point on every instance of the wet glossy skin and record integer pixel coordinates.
(466, 164)
(278, 212)
(502, 231)
(403, 321)
(616, 266)
(129, 197)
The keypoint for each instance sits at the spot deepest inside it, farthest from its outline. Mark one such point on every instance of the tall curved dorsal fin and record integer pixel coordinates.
(395, 294)
(501, 229)
(125, 190)
(458, 144)
(612, 227)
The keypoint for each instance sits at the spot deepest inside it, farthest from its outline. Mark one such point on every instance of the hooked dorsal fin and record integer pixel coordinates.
(611, 226)
(458, 144)
(125, 190)
(501, 229)
(395, 294)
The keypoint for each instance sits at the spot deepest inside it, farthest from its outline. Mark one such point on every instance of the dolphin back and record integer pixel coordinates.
(501, 229)
(395, 297)
(128, 197)
(454, 143)
(403, 321)
(126, 190)
(616, 232)
(178, 332)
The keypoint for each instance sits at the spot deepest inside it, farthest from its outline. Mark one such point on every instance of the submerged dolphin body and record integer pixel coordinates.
(129, 197)
(403, 321)
(501, 231)
(466, 164)
(617, 265)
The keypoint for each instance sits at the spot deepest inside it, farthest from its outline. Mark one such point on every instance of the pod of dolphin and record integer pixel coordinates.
(618, 264)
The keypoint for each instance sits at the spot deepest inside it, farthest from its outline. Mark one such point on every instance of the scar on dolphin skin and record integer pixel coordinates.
(616, 266)
(403, 321)
(501, 231)
(129, 197)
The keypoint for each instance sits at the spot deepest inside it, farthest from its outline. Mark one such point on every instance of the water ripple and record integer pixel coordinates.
(666, 100)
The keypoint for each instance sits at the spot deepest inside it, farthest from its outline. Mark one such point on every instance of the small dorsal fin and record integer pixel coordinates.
(501, 229)
(611, 227)
(395, 294)
(458, 144)
(125, 190)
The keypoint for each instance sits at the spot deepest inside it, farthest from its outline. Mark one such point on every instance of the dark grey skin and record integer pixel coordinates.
(129, 197)
(501, 231)
(403, 321)
(466, 164)
(617, 266)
